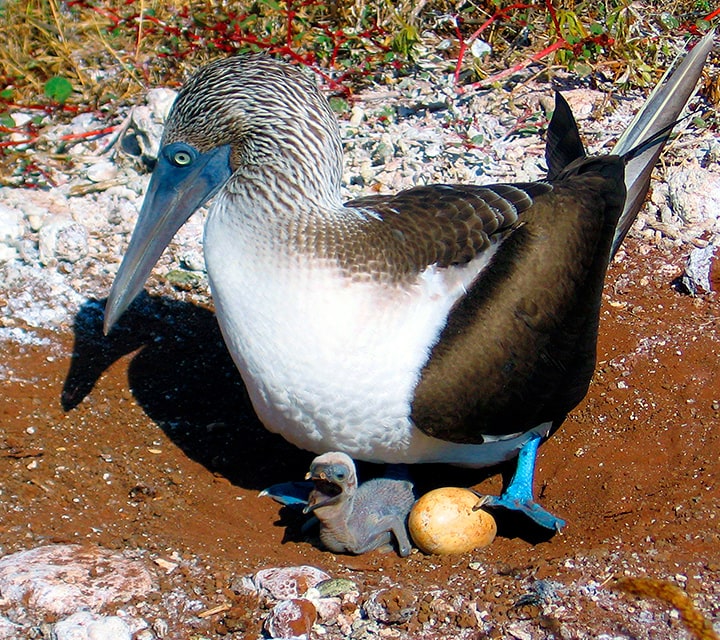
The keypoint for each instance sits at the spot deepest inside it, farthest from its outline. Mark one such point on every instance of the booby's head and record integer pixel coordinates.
(335, 480)
(236, 120)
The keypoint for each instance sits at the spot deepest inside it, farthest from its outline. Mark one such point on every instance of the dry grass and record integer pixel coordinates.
(699, 627)
(108, 52)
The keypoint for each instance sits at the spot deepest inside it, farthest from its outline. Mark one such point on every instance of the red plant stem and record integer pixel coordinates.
(47, 108)
(461, 53)
(290, 17)
(499, 13)
(553, 16)
(712, 15)
(560, 44)
(66, 138)
(95, 133)
(17, 143)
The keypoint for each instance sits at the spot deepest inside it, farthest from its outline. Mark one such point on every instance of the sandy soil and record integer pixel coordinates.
(145, 440)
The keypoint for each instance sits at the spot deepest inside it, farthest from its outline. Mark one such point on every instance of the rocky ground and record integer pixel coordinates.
(131, 464)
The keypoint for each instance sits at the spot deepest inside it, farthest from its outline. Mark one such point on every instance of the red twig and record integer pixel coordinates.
(499, 13)
(559, 44)
(712, 15)
(16, 143)
(290, 17)
(95, 133)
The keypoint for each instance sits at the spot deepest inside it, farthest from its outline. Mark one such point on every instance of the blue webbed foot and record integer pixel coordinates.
(290, 494)
(518, 496)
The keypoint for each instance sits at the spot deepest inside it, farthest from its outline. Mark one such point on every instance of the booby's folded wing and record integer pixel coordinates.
(443, 225)
(518, 349)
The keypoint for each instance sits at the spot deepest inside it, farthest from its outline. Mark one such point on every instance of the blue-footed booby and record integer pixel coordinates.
(448, 323)
(358, 518)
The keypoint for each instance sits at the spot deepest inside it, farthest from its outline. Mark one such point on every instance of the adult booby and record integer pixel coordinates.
(446, 323)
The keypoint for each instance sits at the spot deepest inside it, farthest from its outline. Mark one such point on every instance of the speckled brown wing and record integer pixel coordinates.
(518, 349)
(441, 225)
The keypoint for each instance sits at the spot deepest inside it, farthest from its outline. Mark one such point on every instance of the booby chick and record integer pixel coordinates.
(446, 323)
(357, 519)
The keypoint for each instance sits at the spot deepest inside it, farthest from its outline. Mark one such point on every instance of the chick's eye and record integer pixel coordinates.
(182, 158)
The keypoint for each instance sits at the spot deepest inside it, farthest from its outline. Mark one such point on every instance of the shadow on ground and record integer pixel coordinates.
(184, 379)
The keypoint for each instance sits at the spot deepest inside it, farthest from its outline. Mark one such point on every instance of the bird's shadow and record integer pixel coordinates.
(182, 376)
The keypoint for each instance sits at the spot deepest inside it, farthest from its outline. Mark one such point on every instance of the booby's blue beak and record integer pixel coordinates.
(183, 181)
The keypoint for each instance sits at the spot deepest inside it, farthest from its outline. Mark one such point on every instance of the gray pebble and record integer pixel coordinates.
(11, 232)
(62, 239)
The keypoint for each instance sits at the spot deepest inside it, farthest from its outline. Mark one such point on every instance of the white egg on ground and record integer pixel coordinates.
(448, 521)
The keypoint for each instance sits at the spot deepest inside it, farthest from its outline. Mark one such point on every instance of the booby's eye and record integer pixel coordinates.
(182, 158)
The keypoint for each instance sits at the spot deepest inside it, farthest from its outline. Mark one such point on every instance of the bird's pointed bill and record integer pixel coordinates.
(324, 494)
(175, 192)
(289, 493)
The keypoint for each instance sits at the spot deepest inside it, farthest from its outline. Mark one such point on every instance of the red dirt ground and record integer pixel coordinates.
(145, 439)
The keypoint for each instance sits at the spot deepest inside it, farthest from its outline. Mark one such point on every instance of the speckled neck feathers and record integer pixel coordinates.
(287, 162)
(275, 119)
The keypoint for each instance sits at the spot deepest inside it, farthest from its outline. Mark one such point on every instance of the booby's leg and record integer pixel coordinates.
(518, 496)
(378, 532)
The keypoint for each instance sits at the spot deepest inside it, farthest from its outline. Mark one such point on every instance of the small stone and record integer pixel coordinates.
(145, 129)
(519, 631)
(10, 224)
(60, 579)
(160, 101)
(183, 280)
(357, 115)
(85, 625)
(283, 583)
(695, 195)
(480, 48)
(583, 101)
(696, 278)
(20, 119)
(433, 150)
(160, 627)
(391, 606)
(102, 171)
(329, 608)
(11, 232)
(8, 629)
(8, 253)
(291, 619)
(335, 587)
(61, 238)
(193, 261)
(35, 220)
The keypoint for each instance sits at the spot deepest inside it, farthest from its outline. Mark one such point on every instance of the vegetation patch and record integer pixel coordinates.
(60, 59)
